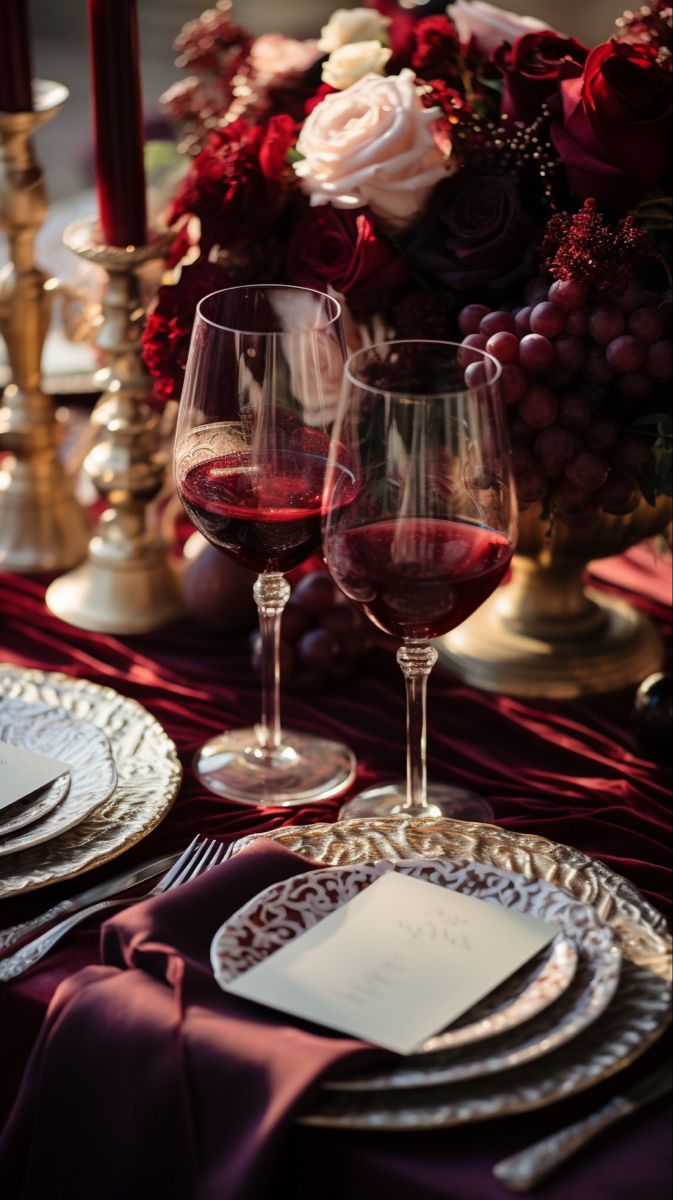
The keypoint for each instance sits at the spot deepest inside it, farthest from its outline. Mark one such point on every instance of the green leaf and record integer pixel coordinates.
(161, 154)
(652, 419)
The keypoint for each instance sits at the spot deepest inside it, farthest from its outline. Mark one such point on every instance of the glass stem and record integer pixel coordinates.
(416, 660)
(271, 592)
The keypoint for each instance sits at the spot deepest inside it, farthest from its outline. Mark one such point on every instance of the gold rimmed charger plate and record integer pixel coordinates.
(148, 778)
(638, 1014)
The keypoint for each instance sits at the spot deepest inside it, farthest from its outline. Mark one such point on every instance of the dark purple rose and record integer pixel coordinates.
(476, 236)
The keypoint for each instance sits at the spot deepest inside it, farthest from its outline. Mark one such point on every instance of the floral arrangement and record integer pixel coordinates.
(470, 173)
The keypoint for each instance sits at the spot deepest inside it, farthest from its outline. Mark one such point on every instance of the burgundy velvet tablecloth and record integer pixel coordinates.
(570, 772)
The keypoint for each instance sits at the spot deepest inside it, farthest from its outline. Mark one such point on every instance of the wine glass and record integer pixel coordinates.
(263, 375)
(421, 528)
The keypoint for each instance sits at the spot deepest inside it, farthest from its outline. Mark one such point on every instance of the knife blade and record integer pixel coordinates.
(100, 891)
(524, 1170)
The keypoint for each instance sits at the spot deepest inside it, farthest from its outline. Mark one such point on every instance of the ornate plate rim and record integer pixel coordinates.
(95, 852)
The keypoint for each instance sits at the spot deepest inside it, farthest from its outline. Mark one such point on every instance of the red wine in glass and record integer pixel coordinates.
(419, 577)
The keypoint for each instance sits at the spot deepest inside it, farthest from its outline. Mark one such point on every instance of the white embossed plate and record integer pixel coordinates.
(287, 909)
(639, 1013)
(148, 778)
(85, 749)
(33, 808)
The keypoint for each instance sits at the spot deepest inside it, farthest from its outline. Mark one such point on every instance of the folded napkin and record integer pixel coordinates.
(149, 1081)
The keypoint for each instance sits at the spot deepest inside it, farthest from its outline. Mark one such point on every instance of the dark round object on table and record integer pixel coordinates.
(653, 715)
(218, 592)
(315, 592)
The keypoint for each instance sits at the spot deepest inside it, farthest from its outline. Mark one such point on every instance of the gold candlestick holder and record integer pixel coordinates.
(42, 527)
(126, 585)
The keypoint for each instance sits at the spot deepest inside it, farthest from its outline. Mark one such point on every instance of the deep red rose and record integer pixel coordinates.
(435, 47)
(617, 121)
(345, 250)
(238, 184)
(533, 68)
(318, 97)
(168, 328)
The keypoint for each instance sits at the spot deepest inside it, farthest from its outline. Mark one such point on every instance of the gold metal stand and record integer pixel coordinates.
(42, 527)
(126, 586)
(547, 635)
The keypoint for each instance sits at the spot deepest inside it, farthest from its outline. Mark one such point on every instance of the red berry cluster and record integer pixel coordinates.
(323, 636)
(573, 366)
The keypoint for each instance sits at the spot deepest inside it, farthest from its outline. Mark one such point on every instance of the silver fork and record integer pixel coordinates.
(199, 857)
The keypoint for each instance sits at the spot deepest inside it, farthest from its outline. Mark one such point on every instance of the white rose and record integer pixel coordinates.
(348, 25)
(372, 144)
(490, 25)
(349, 63)
(273, 54)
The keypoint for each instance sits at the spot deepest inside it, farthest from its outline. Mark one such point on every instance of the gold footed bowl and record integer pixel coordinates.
(547, 634)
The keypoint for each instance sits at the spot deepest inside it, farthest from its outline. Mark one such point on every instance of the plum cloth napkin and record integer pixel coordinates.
(147, 1080)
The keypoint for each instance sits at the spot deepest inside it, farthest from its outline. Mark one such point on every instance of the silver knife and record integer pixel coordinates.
(524, 1170)
(120, 883)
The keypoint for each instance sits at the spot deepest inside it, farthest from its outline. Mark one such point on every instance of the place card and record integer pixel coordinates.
(396, 964)
(23, 772)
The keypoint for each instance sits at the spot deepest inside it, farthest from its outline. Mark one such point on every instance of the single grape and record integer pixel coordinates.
(568, 293)
(625, 353)
(586, 471)
(647, 324)
(503, 346)
(568, 498)
(630, 452)
(514, 383)
(476, 375)
(553, 447)
(497, 322)
(629, 298)
(577, 321)
(315, 593)
(520, 432)
(536, 289)
(605, 323)
(620, 493)
(522, 459)
(574, 411)
(659, 361)
(536, 353)
(317, 649)
(522, 320)
(473, 341)
(601, 433)
(547, 319)
(570, 353)
(596, 368)
(539, 407)
(470, 316)
(294, 622)
(531, 485)
(635, 385)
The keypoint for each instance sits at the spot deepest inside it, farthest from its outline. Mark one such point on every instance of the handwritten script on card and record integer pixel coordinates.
(23, 772)
(398, 963)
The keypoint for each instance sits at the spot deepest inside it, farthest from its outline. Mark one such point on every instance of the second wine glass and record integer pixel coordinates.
(421, 529)
(263, 375)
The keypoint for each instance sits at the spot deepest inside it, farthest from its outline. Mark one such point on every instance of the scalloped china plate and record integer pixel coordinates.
(32, 808)
(286, 910)
(638, 1014)
(86, 750)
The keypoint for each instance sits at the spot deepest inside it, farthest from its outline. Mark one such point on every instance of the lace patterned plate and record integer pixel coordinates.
(33, 808)
(84, 748)
(637, 1016)
(284, 910)
(148, 778)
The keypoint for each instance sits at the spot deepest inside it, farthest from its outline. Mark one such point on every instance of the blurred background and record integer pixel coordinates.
(60, 53)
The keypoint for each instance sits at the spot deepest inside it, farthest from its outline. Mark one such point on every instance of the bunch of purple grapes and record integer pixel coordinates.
(324, 638)
(576, 370)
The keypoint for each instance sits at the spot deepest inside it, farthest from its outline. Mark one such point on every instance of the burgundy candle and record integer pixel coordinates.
(16, 73)
(118, 121)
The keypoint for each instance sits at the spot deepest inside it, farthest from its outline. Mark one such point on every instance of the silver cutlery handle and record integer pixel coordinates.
(524, 1170)
(16, 933)
(32, 952)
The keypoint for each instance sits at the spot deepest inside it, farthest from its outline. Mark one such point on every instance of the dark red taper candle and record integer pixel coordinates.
(118, 121)
(16, 68)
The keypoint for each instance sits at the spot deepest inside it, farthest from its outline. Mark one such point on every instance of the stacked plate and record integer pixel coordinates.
(583, 1009)
(123, 774)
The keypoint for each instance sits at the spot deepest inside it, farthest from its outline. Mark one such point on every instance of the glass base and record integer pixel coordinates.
(388, 800)
(303, 770)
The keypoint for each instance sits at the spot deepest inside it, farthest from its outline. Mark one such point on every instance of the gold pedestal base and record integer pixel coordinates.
(125, 597)
(42, 526)
(617, 649)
